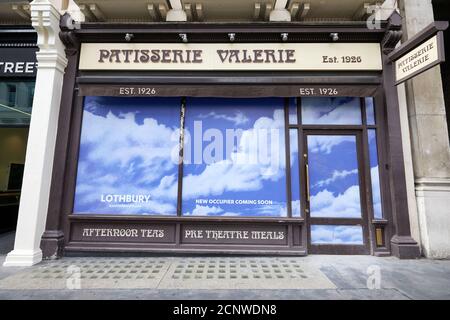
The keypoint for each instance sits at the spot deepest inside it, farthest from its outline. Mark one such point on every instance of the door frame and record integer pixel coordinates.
(364, 249)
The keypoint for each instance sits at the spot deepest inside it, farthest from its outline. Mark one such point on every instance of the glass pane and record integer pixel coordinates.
(329, 234)
(16, 101)
(295, 173)
(370, 111)
(375, 175)
(128, 159)
(293, 117)
(334, 176)
(333, 111)
(235, 159)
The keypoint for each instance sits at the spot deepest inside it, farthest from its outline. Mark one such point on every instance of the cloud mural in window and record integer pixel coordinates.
(375, 175)
(128, 156)
(334, 176)
(335, 111)
(295, 173)
(235, 157)
(331, 234)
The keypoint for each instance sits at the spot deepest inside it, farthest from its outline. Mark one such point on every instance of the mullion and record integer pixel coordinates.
(181, 156)
(287, 149)
(362, 102)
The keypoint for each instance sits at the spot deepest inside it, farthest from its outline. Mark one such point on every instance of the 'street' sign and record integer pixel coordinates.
(18, 62)
(234, 56)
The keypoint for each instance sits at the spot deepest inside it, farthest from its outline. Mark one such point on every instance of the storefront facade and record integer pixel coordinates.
(285, 133)
(284, 141)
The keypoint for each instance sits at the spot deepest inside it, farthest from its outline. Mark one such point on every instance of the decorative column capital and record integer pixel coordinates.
(45, 19)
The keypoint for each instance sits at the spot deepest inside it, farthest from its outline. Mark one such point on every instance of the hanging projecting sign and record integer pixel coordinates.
(420, 53)
(424, 57)
(231, 56)
(18, 62)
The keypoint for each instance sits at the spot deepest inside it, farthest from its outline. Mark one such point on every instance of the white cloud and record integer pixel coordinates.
(122, 156)
(240, 173)
(331, 111)
(204, 211)
(336, 176)
(324, 144)
(239, 118)
(88, 195)
(376, 192)
(221, 177)
(296, 209)
(345, 205)
(321, 234)
(119, 140)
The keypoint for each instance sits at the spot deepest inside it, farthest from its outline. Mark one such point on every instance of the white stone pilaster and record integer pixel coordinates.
(433, 202)
(45, 16)
(409, 167)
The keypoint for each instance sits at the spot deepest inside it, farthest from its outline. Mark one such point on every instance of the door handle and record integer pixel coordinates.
(307, 183)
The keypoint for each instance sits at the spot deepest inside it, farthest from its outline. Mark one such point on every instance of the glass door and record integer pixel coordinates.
(335, 205)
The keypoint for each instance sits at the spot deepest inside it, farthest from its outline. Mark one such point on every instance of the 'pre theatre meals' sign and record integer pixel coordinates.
(234, 56)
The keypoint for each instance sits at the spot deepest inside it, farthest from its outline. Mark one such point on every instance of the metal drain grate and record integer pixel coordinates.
(103, 269)
(238, 269)
(91, 273)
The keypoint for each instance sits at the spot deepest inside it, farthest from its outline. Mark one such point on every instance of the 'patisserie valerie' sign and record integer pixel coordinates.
(248, 56)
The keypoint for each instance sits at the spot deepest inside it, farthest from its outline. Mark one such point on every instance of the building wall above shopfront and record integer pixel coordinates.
(18, 11)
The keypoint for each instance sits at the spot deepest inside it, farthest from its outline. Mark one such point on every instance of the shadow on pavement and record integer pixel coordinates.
(6, 242)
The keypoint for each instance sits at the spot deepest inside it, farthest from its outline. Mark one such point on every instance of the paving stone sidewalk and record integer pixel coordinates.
(236, 278)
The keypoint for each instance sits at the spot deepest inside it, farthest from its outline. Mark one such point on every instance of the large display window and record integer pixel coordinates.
(234, 158)
(228, 157)
(16, 101)
(128, 156)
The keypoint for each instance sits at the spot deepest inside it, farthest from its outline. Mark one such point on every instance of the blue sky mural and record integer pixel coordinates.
(374, 174)
(347, 235)
(234, 159)
(295, 173)
(240, 169)
(370, 111)
(334, 177)
(337, 111)
(128, 156)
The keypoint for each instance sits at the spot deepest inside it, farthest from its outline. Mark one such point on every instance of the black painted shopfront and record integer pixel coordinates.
(242, 148)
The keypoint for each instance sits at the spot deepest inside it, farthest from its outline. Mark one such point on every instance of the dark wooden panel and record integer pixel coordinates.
(233, 91)
(234, 234)
(123, 232)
